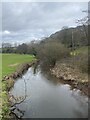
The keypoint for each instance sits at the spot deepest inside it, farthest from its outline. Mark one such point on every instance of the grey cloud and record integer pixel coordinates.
(35, 20)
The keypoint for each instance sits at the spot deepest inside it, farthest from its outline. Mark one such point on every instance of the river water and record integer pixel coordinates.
(48, 98)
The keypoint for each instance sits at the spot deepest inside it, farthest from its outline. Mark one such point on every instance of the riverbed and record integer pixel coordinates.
(46, 97)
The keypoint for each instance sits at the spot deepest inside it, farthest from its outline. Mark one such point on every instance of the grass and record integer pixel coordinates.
(5, 104)
(79, 51)
(0, 66)
(79, 58)
(8, 64)
(0, 84)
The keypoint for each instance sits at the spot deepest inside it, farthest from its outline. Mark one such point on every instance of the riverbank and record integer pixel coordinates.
(71, 75)
(10, 80)
(10, 72)
(18, 73)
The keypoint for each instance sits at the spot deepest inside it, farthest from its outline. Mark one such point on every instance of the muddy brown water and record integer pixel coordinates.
(46, 98)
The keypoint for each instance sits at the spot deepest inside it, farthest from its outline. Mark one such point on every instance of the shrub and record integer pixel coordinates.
(50, 52)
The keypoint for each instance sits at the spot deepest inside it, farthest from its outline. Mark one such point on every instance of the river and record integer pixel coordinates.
(45, 97)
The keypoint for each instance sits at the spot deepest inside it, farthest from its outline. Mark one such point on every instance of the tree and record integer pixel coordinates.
(22, 49)
(84, 22)
(31, 49)
(7, 48)
(6, 45)
(51, 52)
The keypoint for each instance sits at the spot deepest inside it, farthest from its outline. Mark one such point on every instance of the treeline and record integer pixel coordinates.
(21, 49)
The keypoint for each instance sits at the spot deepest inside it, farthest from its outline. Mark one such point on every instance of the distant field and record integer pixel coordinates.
(10, 62)
(80, 50)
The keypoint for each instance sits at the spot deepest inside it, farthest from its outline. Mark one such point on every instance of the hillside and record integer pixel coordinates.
(68, 36)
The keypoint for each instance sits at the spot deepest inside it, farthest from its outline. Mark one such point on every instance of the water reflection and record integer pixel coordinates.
(46, 97)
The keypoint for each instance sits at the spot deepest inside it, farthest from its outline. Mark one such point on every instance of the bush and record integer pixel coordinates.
(50, 52)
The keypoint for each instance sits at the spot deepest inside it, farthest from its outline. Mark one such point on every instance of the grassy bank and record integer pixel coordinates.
(10, 63)
(0, 83)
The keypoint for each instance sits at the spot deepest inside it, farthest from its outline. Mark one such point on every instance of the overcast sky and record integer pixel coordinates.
(23, 22)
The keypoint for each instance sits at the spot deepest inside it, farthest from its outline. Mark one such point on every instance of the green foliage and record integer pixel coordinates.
(8, 50)
(5, 104)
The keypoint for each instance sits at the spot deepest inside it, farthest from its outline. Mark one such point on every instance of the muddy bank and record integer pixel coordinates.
(72, 76)
(10, 79)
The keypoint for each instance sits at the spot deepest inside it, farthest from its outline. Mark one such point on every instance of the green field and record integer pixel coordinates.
(10, 62)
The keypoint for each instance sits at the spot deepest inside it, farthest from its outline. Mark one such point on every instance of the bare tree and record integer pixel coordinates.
(6, 45)
(84, 22)
(50, 52)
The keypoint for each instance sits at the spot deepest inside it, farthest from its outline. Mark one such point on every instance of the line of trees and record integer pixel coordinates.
(21, 49)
